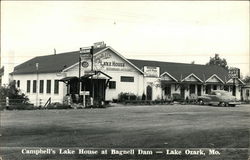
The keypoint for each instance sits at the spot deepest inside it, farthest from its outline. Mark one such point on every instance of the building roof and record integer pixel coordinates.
(58, 62)
(50, 63)
(181, 70)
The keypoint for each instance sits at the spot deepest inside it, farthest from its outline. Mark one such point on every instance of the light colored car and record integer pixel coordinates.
(218, 97)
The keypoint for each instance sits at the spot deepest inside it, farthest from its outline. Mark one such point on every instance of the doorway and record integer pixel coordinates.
(182, 92)
(199, 90)
(149, 93)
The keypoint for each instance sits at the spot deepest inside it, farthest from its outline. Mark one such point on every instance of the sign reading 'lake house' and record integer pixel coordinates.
(109, 61)
(151, 71)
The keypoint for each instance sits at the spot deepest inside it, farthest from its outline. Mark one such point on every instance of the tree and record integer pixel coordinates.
(246, 79)
(13, 93)
(216, 60)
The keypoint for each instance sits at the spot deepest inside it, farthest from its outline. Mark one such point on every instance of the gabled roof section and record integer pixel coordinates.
(214, 75)
(184, 79)
(118, 54)
(181, 70)
(50, 63)
(166, 73)
(231, 81)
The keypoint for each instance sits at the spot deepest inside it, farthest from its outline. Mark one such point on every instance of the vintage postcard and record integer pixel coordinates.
(167, 80)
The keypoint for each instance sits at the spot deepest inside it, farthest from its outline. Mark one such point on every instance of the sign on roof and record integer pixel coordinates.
(234, 73)
(99, 44)
(151, 71)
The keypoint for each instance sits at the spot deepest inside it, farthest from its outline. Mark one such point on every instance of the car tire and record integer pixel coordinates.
(201, 102)
(225, 104)
(222, 104)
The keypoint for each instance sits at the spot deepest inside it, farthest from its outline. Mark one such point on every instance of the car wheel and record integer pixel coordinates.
(225, 104)
(201, 102)
(222, 104)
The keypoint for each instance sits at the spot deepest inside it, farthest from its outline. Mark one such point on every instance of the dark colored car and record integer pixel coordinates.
(218, 97)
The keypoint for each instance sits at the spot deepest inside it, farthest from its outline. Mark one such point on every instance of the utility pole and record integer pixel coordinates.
(37, 78)
(79, 77)
(92, 69)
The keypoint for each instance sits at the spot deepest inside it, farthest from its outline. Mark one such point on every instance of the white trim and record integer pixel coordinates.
(216, 77)
(108, 47)
(125, 59)
(169, 76)
(192, 74)
(237, 79)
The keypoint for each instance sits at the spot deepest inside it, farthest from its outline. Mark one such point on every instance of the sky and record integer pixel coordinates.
(172, 31)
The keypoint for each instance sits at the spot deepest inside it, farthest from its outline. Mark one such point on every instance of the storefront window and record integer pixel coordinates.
(127, 79)
(34, 86)
(48, 86)
(112, 85)
(41, 86)
(28, 86)
(56, 86)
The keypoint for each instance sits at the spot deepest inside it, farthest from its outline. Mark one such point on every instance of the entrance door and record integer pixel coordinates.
(168, 91)
(192, 89)
(99, 89)
(96, 85)
(199, 90)
(182, 92)
(149, 93)
(208, 89)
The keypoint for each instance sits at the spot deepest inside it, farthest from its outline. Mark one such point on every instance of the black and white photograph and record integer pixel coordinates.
(125, 80)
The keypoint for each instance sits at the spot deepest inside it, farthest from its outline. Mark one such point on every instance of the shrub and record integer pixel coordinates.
(176, 97)
(58, 106)
(122, 97)
(21, 107)
(14, 94)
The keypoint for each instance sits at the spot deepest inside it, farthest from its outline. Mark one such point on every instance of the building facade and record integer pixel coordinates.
(55, 76)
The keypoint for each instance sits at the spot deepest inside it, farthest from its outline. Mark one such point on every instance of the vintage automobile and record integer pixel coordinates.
(218, 97)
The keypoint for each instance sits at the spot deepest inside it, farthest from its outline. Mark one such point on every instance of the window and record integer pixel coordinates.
(56, 87)
(127, 79)
(112, 84)
(34, 86)
(28, 86)
(48, 86)
(18, 83)
(41, 86)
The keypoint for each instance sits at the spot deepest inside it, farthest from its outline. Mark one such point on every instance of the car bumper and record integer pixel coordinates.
(234, 103)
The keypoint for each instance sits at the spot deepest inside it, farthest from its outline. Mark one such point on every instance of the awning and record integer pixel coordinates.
(94, 73)
(68, 78)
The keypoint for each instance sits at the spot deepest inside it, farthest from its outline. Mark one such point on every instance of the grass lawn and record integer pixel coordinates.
(161, 126)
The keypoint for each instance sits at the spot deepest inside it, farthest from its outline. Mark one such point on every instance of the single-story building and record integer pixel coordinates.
(55, 76)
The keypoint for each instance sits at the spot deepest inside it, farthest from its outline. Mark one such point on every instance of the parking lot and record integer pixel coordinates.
(121, 126)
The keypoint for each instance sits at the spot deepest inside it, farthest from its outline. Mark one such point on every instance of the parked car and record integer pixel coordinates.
(218, 97)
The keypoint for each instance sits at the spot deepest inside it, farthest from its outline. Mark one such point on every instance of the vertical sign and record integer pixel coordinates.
(234, 73)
